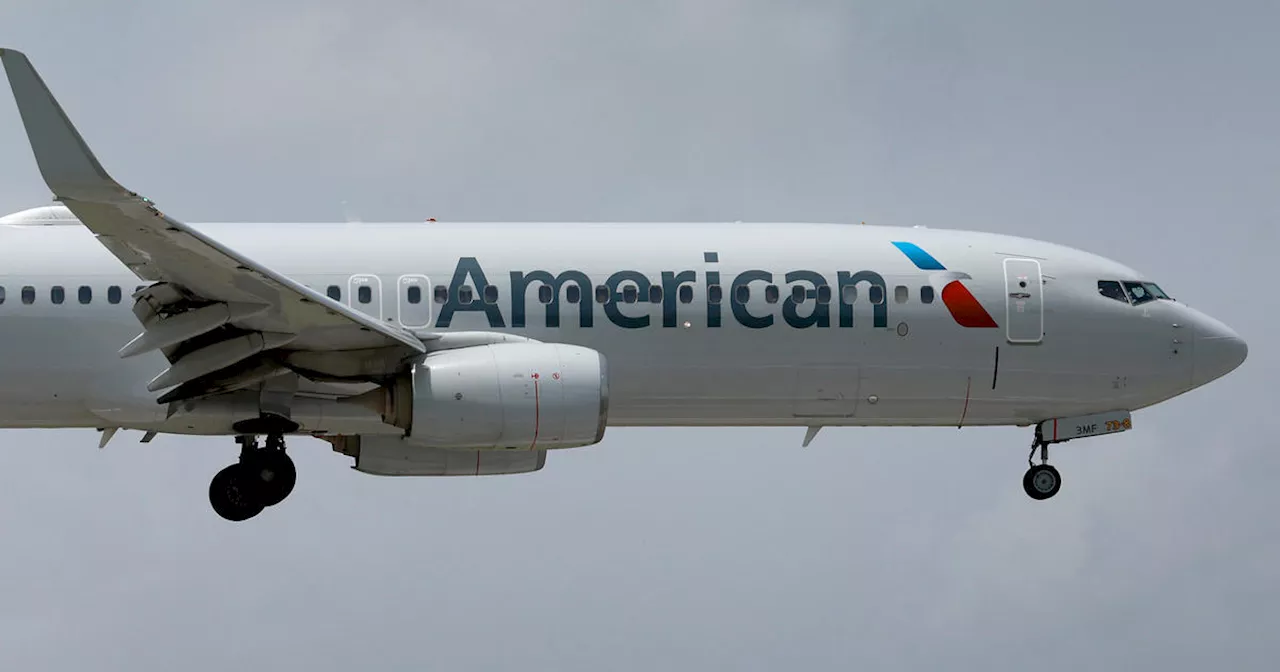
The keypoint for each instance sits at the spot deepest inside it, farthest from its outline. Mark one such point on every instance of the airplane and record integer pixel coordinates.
(469, 349)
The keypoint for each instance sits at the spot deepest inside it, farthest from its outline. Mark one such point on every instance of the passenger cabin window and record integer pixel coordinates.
(926, 294)
(742, 294)
(28, 295)
(442, 294)
(414, 294)
(876, 294)
(602, 294)
(685, 294)
(85, 294)
(714, 293)
(364, 294)
(630, 294)
(1112, 290)
(901, 294)
(771, 294)
(572, 294)
(824, 294)
(334, 292)
(798, 294)
(545, 294)
(849, 294)
(490, 293)
(465, 295)
(1, 294)
(113, 294)
(57, 294)
(655, 293)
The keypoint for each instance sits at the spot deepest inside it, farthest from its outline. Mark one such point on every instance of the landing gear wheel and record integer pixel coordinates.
(1041, 481)
(234, 495)
(274, 475)
(263, 477)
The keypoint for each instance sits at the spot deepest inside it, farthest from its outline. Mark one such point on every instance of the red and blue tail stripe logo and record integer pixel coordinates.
(964, 307)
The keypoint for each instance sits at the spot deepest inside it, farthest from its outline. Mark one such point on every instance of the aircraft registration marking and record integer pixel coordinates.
(1097, 424)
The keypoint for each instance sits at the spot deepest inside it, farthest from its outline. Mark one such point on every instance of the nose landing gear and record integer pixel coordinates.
(1041, 481)
(263, 477)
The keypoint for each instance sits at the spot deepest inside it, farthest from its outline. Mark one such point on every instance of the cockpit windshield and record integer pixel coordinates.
(1136, 293)
(1142, 292)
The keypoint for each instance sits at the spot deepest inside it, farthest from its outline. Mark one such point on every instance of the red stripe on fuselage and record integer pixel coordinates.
(964, 308)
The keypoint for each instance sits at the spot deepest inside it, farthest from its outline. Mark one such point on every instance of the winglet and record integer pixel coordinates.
(68, 166)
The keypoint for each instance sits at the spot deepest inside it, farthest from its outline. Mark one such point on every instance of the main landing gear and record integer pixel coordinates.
(1041, 481)
(263, 477)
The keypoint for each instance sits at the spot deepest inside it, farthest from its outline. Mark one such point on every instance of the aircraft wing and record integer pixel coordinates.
(220, 318)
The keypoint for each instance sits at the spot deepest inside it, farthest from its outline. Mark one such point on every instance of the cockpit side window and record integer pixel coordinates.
(1112, 290)
(1156, 291)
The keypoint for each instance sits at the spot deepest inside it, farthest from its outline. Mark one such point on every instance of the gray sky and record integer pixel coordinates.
(1141, 131)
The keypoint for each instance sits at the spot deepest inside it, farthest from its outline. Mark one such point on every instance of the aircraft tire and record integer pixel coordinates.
(275, 475)
(1041, 481)
(233, 494)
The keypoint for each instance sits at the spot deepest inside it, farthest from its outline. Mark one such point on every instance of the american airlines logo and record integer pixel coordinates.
(806, 303)
(964, 306)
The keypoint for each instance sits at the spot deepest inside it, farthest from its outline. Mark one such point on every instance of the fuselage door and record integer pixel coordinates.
(414, 301)
(1024, 301)
(364, 293)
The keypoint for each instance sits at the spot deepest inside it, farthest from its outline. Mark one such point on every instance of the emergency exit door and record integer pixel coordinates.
(414, 301)
(364, 293)
(1024, 301)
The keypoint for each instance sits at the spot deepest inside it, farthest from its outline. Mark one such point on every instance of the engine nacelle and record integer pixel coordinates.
(508, 395)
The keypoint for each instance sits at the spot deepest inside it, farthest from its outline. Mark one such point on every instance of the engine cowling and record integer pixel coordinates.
(502, 396)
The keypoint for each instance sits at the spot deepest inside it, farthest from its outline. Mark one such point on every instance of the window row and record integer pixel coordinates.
(573, 294)
(631, 294)
(58, 294)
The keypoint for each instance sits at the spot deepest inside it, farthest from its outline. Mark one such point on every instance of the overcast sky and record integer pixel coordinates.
(1141, 131)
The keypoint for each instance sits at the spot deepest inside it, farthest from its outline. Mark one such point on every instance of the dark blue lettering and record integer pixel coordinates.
(469, 267)
(821, 314)
(520, 283)
(713, 308)
(611, 307)
(740, 312)
(880, 311)
(671, 283)
(631, 286)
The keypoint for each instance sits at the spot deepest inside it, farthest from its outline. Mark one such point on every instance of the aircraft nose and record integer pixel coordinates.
(1219, 350)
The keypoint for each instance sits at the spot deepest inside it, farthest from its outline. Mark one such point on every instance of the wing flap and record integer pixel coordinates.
(188, 325)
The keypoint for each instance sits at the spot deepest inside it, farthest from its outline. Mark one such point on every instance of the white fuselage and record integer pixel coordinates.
(680, 361)
(469, 349)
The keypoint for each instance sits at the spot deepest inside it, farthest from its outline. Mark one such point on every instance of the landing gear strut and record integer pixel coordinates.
(1041, 481)
(263, 477)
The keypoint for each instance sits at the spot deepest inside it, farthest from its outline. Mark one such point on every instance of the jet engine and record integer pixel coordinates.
(502, 396)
